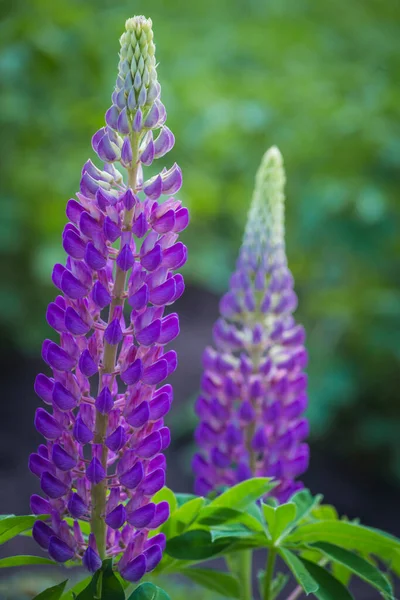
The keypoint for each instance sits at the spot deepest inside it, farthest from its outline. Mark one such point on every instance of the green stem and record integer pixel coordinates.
(269, 573)
(99, 491)
(245, 560)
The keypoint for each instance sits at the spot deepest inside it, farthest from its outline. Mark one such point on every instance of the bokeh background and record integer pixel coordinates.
(320, 80)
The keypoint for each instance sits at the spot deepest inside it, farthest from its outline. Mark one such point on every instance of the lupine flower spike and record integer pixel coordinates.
(103, 425)
(254, 385)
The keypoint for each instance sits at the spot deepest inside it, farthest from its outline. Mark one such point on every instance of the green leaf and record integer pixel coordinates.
(183, 498)
(182, 518)
(18, 561)
(278, 519)
(301, 573)
(329, 588)
(217, 515)
(12, 526)
(103, 586)
(347, 535)
(52, 593)
(277, 585)
(241, 495)
(324, 512)
(78, 587)
(305, 503)
(166, 495)
(358, 565)
(195, 545)
(219, 582)
(341, 573)
(149, 591)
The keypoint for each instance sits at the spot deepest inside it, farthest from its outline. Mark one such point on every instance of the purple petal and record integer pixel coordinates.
(62, 459)
(38, 464)
(164, 293)
(104, 401)
(95, 471)
(117, 517)
(164, 142)
(123, 122)
(140, 226)
(140, 415)
(150, 445)
(116, 440)
(175, 256)
(129, 199)
(169, 329)
(150, 334)
(44, 388)
(47, 425)
(161, 515)
(74, 211)
(63, 398)
(42, 533)
(172, 180)
(73, 245)
(72, 287)
(181, 220)
(87, 364)
(160, 406)
(132, 374)
(135, 569)
(153, 557)
(93, 258)
(81, 432)
(125, 259)
(76, 506)
(152, 259)
(153, 482)
(91, 560)
(74, 323)
(131, 479)
(52, 486)
(113, 334)
(59, 550)
(155, 373)
(142, 516)
(100, 295)
(153, 187)
(140, 298)
(58, 358)
(111, 230)
(165, 223)
(40, 506)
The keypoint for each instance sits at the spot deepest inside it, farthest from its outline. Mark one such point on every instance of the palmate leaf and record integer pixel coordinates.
(306, 503)
(357, 565)
(219, 515)
(216, 581)
(279, 519)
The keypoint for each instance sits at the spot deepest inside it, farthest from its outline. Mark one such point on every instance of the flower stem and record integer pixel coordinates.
(269, 573)
(240, 565)
(99, 491)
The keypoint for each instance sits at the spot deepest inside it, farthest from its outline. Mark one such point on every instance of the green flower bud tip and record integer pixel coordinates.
(266, 219)
(137, 65)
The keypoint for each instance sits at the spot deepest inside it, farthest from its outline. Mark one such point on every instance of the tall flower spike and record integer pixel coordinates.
(254, 385)
(103, 426)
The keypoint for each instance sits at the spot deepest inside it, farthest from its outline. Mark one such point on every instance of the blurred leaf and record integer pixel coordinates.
(52, 593)
(148, 591)
(19, 561)
(222, 583)
(329, 588)
(359, 566)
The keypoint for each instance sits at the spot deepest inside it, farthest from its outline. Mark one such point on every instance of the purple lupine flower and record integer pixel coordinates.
(254, 386)
(103, 460)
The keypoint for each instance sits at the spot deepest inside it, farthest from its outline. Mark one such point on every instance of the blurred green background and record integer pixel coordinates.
(320, 80)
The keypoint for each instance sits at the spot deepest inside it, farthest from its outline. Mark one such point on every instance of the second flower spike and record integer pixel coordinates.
(254, 386)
